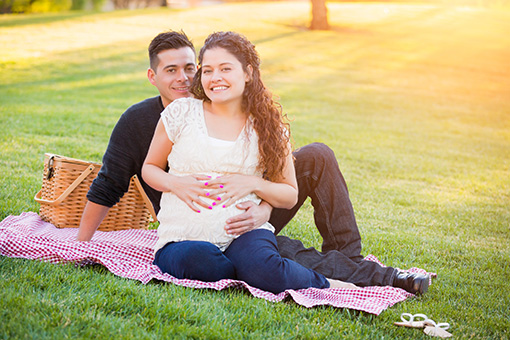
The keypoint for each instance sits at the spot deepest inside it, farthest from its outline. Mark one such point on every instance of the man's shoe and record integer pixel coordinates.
(413, 283)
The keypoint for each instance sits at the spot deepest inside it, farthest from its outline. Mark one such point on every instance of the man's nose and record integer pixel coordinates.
(182, 76)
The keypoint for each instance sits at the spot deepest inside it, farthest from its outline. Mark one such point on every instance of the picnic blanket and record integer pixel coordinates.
(129, 254)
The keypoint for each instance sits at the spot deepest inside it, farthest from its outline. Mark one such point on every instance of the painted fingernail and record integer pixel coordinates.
(209, 176)
(221, 185)
(213, 203)
(219, 198)
(224, 206)
(207, 194)
(206, 183)
(198, 211)
(210, 207)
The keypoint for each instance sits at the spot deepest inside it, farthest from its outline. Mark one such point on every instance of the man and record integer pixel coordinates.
(172, 68)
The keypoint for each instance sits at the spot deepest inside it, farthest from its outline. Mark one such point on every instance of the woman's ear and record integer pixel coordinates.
(249, 73)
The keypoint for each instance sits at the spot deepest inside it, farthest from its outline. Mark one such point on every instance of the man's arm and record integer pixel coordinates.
(123, 158)
(93, 215)
(253, 217)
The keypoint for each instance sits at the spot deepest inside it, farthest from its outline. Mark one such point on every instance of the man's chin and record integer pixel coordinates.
(180, 95)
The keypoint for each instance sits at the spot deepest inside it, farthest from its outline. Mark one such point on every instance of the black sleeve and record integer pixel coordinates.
(119, 165)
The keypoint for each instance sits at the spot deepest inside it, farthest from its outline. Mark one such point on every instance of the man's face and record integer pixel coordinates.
(174, 73)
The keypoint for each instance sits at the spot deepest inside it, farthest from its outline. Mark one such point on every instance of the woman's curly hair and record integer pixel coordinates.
(268, 120)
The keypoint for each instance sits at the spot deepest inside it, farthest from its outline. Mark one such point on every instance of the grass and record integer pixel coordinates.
(413, 99)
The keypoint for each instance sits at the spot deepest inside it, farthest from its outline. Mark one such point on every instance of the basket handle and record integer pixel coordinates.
(145, 198)
(69, 190)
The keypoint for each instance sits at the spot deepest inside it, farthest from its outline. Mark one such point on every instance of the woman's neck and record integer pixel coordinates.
(224, 121)
(228, 109)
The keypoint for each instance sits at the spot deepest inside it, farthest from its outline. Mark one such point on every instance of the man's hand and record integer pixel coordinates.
(253, 217)
(92, 216)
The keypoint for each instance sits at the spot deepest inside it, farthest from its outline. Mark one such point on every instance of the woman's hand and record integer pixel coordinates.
(232, 187)
(189, 189)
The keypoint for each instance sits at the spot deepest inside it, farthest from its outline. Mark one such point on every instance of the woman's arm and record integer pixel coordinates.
(187, 188)
(283, 194)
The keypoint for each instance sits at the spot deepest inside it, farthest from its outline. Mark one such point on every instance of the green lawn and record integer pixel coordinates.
(414, 100)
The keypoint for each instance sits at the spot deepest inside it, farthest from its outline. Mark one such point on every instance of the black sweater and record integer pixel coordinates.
(125, 154)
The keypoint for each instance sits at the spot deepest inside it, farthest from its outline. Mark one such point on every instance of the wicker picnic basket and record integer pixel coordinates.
(65, 184)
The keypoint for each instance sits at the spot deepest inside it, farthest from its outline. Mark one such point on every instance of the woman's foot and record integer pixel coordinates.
(341, 284)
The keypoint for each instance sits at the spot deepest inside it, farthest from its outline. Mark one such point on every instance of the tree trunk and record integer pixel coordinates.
(6, 6)
(319, 15)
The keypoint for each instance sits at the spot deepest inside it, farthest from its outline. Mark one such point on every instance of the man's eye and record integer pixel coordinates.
(171, 70)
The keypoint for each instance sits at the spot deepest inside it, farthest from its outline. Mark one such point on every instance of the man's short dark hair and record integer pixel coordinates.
(170, 40)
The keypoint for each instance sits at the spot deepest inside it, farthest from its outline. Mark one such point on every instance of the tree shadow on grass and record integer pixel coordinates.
(41, 19)
(19, 20)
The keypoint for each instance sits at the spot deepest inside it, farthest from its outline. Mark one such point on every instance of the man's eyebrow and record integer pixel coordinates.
(175, 66)
(169, 66)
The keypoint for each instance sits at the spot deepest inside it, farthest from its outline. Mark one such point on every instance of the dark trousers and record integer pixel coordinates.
(319, 178)
(252, 257)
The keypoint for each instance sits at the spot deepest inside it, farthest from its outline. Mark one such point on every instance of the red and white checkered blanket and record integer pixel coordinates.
(129, 254)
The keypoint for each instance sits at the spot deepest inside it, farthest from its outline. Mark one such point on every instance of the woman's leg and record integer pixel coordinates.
(196, 260)
(257, 262)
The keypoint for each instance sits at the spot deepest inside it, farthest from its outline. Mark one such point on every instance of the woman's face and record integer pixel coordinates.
(223, 77)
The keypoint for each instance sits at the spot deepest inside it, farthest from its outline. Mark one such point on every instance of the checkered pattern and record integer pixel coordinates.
(129, 254)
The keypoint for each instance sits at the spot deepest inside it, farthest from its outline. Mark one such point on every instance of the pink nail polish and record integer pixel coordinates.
(219, 198)
(206, 183)
(221, 185)
(224, 206)
(213, 203)
(198, 211)
(207, 194)
(210, 207)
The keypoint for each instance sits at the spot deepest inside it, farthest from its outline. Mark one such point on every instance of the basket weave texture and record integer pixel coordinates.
(65, 184)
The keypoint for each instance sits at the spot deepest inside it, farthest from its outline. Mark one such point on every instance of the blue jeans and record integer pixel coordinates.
(319, 178)
(253, 258)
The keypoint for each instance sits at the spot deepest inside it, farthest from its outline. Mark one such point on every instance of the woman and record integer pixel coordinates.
(225, 146)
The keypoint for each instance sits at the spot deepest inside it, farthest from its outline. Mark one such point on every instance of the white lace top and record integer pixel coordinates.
(194, 152)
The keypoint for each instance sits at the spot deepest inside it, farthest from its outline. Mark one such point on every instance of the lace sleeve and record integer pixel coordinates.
(174, 117)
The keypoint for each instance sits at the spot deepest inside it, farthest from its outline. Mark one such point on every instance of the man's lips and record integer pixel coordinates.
(181, 88)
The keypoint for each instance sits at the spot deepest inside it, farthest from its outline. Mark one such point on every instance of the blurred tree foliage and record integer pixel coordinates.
(42, 6)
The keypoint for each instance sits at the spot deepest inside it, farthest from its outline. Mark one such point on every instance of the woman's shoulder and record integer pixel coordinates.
(187, 101)
(182, 107)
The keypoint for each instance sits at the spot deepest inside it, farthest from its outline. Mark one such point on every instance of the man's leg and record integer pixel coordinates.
(336, 265)
(319, 178)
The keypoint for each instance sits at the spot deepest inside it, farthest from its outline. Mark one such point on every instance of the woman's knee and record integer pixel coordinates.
(194, 260)
(257, 261)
